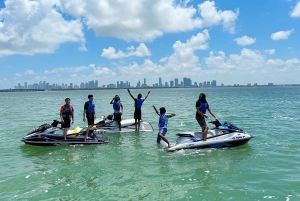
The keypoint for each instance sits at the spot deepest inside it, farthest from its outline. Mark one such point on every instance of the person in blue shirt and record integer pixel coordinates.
(138, 102)
(201, 107)
(162, 124)
(118, 109)
(90, 113)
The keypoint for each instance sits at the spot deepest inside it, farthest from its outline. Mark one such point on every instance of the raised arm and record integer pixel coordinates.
(171, 115)
(112, 101)
(156, 110)
(130, 94)
(147, 95)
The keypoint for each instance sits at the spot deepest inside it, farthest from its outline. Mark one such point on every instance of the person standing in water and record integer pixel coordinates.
(138, 102)
(90, 113)
(118, 109)
(201, 107)
(66, 114)
(162, 124)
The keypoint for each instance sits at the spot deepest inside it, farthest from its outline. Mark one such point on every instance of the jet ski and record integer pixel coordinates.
(106, 124)
(222, 135)
(46, 135)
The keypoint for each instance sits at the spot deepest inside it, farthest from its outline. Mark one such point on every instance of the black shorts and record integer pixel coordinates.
(201, 120)
(67, 122)
(117, 117)
(90, 119)
(137, 114)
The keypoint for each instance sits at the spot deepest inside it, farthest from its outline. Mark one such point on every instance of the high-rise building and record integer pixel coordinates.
(187, 82)
(145, 84)
(159, 82)
(138, 85)
(25, 84)
(176, 82)
(171, 83)
(214, 83)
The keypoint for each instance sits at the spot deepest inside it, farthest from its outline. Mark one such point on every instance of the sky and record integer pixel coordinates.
(75, 41)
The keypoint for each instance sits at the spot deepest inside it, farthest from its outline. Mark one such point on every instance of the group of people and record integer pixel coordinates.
(89, 114)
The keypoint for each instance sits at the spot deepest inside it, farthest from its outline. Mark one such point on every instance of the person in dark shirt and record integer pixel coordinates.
(90, 113)
(138, 102)
(201, 107)
(66, 115)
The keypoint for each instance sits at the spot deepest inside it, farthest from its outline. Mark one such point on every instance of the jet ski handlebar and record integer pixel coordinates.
(216, 123)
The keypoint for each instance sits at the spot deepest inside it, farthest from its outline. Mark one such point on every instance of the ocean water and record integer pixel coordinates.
(133, 167)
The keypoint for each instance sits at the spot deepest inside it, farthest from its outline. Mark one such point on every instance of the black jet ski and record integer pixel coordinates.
(106, 124)
(47, 134)
(222, 135)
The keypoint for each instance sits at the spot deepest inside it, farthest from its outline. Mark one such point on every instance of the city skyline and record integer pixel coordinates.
(201, 40)
(186, 82)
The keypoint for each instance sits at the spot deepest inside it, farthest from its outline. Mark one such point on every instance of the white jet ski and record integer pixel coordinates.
(226, 135)
(108, 125)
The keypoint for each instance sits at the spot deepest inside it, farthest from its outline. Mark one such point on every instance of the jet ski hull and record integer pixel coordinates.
(107, 125)
(49, 135)
(221, 136)
(54, 142)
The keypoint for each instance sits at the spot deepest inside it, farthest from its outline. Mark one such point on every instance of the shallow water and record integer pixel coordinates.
(133, 167)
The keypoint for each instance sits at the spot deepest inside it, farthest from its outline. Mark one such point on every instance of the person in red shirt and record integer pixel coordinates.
(66, 115)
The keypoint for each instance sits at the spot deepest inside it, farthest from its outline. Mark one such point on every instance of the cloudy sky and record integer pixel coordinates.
(231, 41)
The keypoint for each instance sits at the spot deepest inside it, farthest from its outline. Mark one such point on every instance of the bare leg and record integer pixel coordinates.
(139, 123)
(205, 131)
(165, 139)
(135, 124)
(87, 131)
(65, 133)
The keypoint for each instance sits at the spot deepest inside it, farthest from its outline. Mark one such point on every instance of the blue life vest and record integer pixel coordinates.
(203, 107)
(139, 103)
(117, 106)
(67, 112)
(163, 121)
(91, 108)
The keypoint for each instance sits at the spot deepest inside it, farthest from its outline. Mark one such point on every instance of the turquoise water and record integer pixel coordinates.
(133, 167)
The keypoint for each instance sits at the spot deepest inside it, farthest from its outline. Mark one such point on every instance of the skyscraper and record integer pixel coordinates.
(159, 82)
(214, 83)
(171, 83)
(176, 82)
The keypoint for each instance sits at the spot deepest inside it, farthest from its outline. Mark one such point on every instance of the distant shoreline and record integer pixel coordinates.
(30, 90)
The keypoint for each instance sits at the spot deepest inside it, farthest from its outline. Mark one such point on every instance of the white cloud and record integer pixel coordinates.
(102, 72)
(296, 10)
(30, 27)
(182, 62)
(212, 17)
(140, 51)
(249, 66)
(245, 40)
(147, 20)
(281, 35)
(163, 59)
(18, 75)
(29, 72)
(66, 70)
(183, 56)
(218, 62)
(270, 51)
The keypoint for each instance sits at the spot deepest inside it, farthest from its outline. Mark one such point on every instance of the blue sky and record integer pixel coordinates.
(233, 42)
